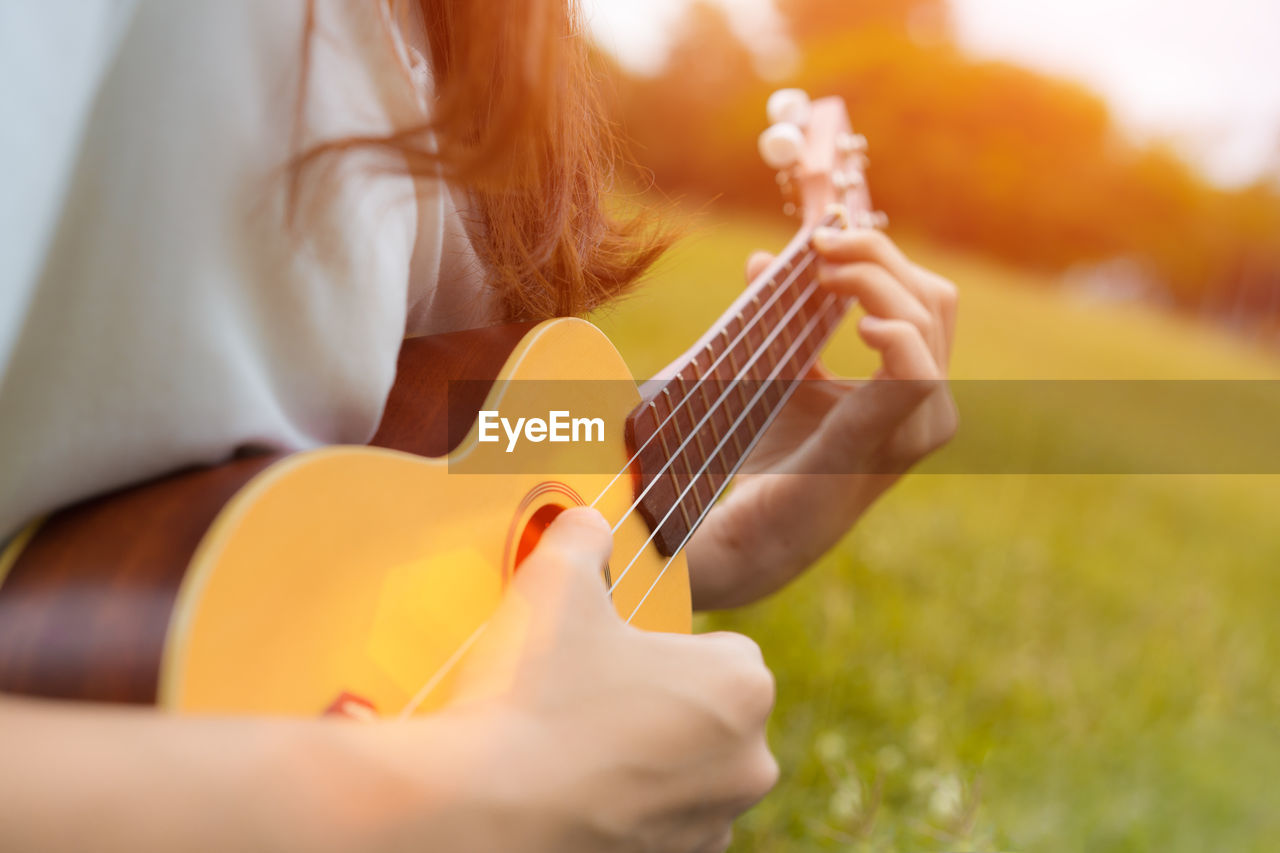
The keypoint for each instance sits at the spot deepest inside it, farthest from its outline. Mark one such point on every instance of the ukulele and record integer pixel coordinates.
(353, 578)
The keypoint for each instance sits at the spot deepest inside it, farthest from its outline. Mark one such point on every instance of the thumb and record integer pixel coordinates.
(565, 570)
(552, 597)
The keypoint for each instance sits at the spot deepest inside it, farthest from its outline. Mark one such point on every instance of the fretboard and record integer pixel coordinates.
(696, 429)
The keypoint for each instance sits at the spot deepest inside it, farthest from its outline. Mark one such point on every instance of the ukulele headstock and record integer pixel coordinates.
(821, 163)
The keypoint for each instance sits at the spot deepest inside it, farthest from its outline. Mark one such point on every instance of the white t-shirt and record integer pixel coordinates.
(155, 310)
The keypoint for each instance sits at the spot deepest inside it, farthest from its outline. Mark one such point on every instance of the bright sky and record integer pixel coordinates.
(1205, 74)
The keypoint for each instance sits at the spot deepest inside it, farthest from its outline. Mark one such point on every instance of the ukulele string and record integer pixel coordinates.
(707, 418)
(431, 683)
(807, 258)
(791, 389)
(439, 675)
(693, 434)
(801, 338)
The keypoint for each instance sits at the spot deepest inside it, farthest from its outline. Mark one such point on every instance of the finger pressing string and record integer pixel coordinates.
(879, 292)
(902, 346)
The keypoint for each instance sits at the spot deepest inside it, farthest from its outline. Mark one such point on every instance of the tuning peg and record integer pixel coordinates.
(846, 180)
(781, 146)
(788, 105)
(872, 219)
(851, 143)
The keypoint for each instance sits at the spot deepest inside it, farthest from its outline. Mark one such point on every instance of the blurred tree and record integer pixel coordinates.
(706, 55)
(984, 155)
(810, 20)
(677, 119)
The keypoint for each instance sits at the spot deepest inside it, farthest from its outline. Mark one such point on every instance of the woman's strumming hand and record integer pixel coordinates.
(605, 737)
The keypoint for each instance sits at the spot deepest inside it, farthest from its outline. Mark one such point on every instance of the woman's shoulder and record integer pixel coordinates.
(164, 313)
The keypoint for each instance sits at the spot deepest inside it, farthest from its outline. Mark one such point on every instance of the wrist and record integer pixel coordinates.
(760, 540)
(717, 571)
(393, 785)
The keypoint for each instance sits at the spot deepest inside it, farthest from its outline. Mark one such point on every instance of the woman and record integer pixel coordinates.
(223, 219)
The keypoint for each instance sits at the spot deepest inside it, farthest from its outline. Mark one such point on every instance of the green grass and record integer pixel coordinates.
(1016, 662)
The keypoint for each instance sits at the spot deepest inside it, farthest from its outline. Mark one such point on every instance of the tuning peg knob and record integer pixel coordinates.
(872, 219)
(851, 143)
(788, 105)
(781, 146)
(847, 180)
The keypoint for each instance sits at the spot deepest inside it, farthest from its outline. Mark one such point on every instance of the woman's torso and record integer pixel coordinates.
(157, 311)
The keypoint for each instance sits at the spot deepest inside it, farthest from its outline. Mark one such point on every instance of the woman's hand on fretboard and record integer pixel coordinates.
(838, 444)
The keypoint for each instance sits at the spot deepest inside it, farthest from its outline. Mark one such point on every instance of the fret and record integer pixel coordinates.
(778, 312)
(806, 342)
(806, 351)
(727, 386)
(759, 370)
(694, 419)
(714, 403)
(804, 316)
(755, 341)
(767, 361)
(714, 472)
(717, 474)
(796, 362)
(669, 461)
(784, 333)
(652, 410)
(826, 318)
(773, 375)
(656, 482)
(709, 404)
(808, 347)
(725, 341)
(744, 370)
(807, 309)
(695, 416)
(747, 430)
(811, 311)
(742, 397)
(768, 286)
(679, 449)
(798, 284)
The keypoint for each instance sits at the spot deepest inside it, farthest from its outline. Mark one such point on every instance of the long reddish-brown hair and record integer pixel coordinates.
(520, 127)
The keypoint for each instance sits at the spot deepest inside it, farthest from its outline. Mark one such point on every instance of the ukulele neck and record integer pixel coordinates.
(695, 429)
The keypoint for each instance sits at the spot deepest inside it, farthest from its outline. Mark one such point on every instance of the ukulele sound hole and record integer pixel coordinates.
(533, 530)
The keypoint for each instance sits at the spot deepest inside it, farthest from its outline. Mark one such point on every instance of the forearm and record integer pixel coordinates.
(105, 779)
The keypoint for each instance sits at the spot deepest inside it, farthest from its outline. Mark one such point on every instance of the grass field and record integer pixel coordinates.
(1016, 662)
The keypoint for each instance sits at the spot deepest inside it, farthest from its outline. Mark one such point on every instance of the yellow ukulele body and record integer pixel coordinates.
(361, 572)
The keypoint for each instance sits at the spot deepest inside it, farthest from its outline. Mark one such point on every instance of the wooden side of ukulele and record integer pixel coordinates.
(276, 585)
